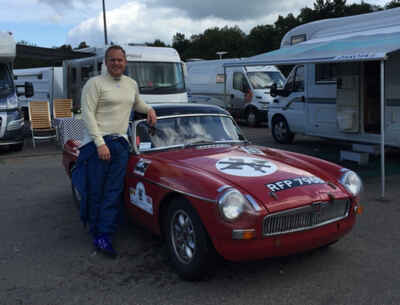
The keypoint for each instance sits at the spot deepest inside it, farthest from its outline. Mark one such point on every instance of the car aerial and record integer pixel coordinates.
(194, 179)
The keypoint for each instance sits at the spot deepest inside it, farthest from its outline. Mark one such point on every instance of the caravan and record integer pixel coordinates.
(11, 118)
(158, 72)
(243, 91)
(345, 84)
(47, 84)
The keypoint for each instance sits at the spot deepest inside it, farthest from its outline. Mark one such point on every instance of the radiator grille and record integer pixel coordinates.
(304, 218)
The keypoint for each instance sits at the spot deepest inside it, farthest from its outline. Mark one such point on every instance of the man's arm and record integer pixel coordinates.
(142, 107)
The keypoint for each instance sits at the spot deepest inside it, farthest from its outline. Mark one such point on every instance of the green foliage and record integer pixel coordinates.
(264, 38)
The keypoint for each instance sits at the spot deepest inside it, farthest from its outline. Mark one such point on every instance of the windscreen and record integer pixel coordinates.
(264, 79)
(6, 82)
(187, 130)
(157, 77)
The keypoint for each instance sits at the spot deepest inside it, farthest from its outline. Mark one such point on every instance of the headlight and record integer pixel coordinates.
(232, 204)
(12, 102)
(352, 182)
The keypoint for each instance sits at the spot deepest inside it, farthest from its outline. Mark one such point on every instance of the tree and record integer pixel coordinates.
(82, 45)
(392, 4)
(180, 43)
(156, 43)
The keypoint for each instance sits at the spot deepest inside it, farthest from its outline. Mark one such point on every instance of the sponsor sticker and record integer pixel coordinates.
(139, 198)
(141, 167)
(246, 166)
(252, 150)
(294, 182)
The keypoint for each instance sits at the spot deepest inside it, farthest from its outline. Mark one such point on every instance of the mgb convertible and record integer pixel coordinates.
(195, 180)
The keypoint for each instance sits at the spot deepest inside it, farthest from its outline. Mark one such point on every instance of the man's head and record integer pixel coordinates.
(115, 58)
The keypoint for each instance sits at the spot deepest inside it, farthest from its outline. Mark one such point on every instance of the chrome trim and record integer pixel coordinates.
(253, 202)
(179, 191)
(222, 188)
(309, 217)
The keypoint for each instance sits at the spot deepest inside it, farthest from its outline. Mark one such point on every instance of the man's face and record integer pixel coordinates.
(115, 63)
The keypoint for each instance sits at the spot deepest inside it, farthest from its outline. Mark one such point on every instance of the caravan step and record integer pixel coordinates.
(367, 148)
(359, 157)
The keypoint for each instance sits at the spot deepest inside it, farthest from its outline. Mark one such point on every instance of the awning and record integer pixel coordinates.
(362, 46)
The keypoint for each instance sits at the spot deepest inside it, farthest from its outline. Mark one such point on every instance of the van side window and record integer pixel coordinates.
(299, 79)
(240, 82)
(325, 73)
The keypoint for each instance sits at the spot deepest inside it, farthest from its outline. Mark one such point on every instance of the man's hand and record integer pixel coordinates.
(103, 152)
(151, 117)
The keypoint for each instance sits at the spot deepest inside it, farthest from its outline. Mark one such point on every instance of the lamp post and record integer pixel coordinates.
(105, 24)
(220, 53)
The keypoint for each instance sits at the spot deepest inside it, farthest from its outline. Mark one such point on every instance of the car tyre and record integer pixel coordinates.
(281, 131)
(189, 248)
(17, 147)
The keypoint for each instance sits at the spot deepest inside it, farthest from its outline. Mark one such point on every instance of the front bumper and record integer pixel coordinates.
(11, 127)
(285, 244)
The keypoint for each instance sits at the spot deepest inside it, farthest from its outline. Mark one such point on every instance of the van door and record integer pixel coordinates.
(240, 93)
(294, 104)
(348, 103)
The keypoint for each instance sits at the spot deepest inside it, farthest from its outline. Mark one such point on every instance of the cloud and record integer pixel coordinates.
(139, 22)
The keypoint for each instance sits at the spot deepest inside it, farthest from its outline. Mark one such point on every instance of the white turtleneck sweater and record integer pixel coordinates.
(106, 106)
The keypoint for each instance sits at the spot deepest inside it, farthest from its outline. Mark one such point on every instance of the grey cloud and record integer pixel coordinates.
(229, 9)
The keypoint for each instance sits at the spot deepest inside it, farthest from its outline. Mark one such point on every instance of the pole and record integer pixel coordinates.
(105, 24)
(383, 127)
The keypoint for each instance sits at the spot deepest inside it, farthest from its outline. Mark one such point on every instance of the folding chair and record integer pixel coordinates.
(62, 108)
(40, 121)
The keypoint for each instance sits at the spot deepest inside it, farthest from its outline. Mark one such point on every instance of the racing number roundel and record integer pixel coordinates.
(246, 166)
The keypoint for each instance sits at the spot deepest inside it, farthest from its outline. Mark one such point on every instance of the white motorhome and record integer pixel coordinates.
(158, 72)
(47, 84)
(11, 118)
(345, 84)
(243, 91)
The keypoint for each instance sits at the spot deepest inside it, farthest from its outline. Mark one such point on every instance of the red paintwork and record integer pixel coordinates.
(193, 171)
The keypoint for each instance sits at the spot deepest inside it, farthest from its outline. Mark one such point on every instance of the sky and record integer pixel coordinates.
(52, 23)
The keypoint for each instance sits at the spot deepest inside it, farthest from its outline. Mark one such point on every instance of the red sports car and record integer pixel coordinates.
(196, 180)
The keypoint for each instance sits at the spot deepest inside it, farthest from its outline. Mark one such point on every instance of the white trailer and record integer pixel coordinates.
(243, 91)
(11, 118)
(158, 71)
(47, 83)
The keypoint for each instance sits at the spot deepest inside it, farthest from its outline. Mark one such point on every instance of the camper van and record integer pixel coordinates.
(47, 84)
(243, 91)
(158, 72)
(11, 118)
(345, 83)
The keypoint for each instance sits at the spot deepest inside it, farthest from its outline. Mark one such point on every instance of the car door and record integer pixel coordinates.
(293, 106)
(239, 93)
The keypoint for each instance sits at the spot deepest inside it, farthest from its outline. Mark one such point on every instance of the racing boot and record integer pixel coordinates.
(103, 244)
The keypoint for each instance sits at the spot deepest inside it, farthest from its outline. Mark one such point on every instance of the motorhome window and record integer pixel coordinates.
(157, 77)
(264, 79)
(297, 39)
(86, 73)
(299, 79)
(325, 73)
(239, 81)
(73, 75)
(220, 78)
(6, 81)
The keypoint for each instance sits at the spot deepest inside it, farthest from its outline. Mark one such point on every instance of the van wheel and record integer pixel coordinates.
(281, 131)
(251, 118)
(189, 248)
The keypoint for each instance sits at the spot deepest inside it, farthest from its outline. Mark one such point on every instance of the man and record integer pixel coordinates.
(107, 101)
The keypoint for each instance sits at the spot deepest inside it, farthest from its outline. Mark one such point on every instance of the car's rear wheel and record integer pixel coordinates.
(281, 131)
(189, 248)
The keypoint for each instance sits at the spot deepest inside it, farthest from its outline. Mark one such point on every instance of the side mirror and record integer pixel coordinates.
(273, 91)
(28, 89)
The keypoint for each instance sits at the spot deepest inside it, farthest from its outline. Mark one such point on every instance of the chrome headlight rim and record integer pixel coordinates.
(232, 203)
(351, 181)
(12, 102)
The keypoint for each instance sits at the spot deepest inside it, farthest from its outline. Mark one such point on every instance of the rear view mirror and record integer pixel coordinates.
(273, 91)
(28, 89)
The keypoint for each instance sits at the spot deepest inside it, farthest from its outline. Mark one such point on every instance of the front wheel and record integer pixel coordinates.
(251, 118)
(281, 132)
(190, 250)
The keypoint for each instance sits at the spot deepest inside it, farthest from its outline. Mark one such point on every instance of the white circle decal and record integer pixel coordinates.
(246, 167)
